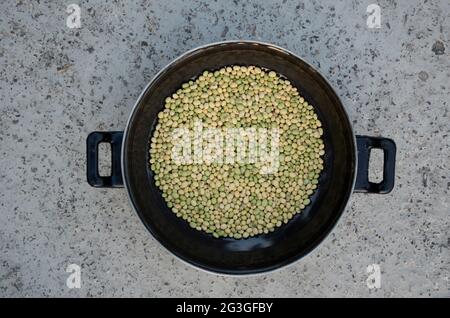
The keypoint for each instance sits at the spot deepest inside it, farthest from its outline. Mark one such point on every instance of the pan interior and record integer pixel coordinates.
(264, 252)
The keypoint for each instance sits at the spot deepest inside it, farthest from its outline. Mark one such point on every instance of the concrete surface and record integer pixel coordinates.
(58, 84)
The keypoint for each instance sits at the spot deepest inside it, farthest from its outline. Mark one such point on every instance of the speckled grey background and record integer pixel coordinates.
(59, 84)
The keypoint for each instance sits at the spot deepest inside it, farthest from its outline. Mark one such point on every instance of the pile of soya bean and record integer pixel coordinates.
(235, 199)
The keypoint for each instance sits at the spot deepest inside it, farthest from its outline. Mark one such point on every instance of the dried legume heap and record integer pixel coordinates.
(236, 200)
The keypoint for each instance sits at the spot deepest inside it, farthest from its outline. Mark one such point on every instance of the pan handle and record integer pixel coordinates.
(365, 144)
(93, 176)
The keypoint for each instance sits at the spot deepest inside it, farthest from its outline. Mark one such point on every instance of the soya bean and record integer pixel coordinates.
(234, 199)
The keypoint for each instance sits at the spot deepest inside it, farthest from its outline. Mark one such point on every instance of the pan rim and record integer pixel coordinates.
(260, 271)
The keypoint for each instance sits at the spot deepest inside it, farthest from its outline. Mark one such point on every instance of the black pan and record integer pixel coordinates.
(345, 169)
